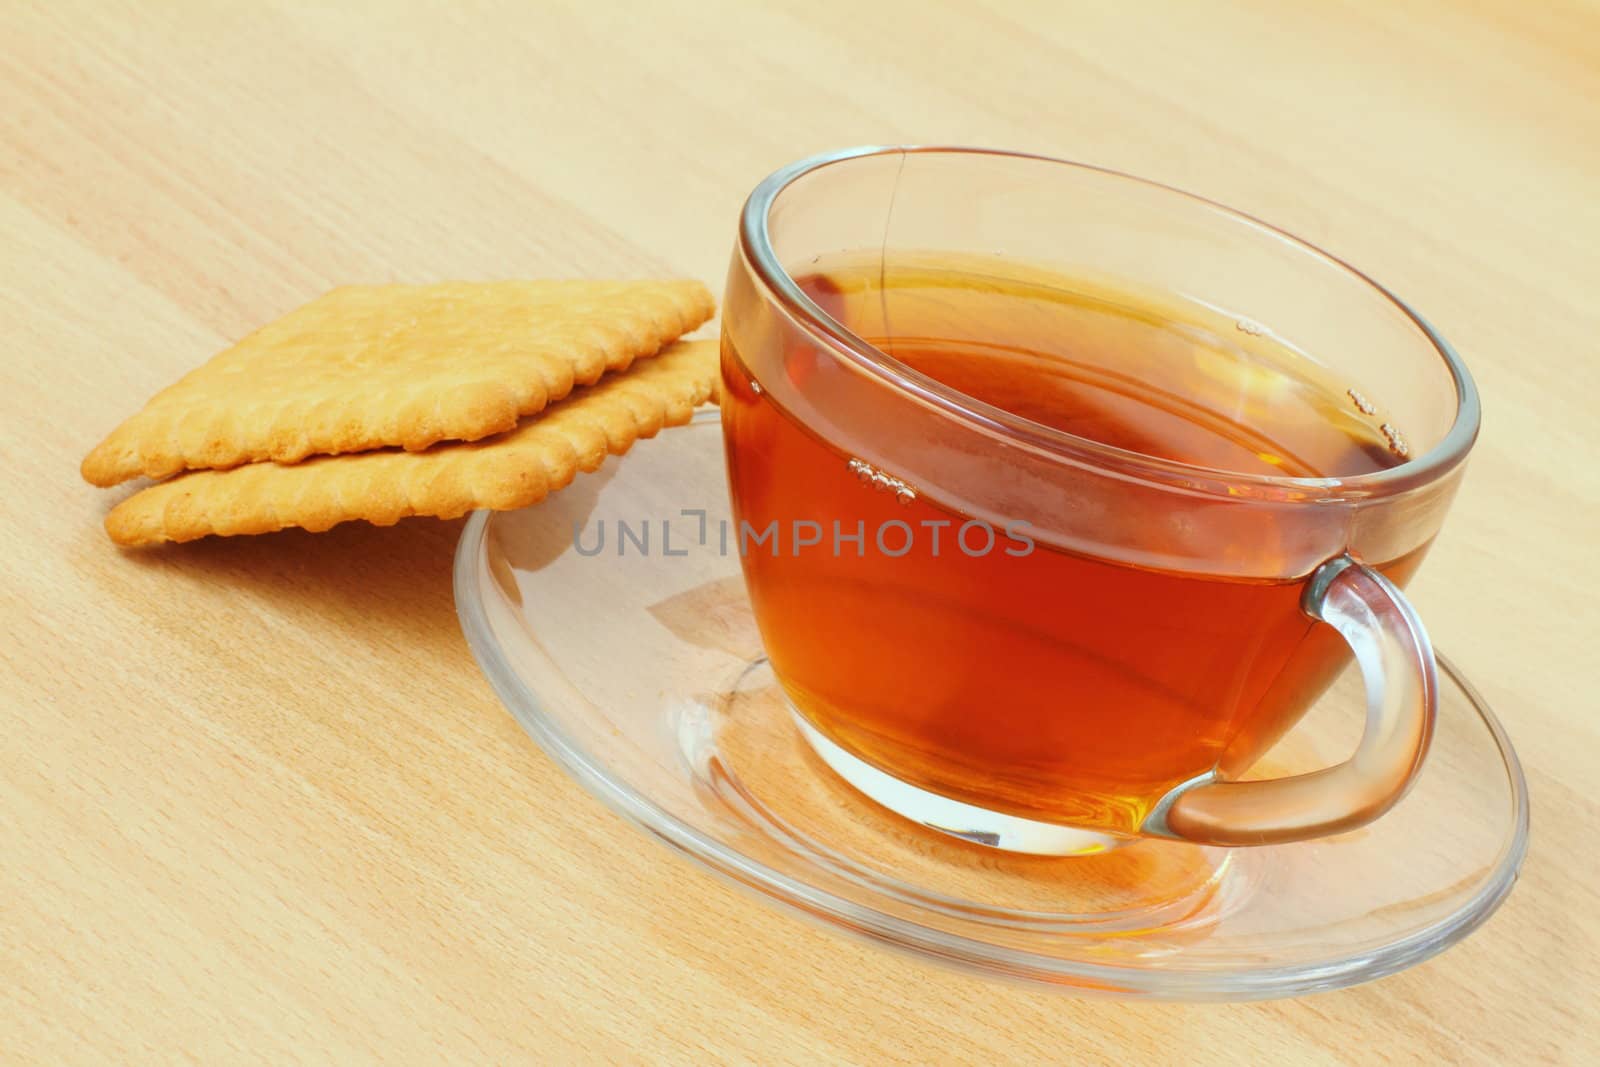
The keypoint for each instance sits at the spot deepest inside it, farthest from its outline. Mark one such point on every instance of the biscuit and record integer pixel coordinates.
(511, 470)
(374, 366)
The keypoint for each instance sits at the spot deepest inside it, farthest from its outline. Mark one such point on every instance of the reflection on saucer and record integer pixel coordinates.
(714, 615)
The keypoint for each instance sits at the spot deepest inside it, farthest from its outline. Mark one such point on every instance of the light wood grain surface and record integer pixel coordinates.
(256, 801)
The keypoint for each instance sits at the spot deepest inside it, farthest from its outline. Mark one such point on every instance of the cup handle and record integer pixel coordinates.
(1402, 683)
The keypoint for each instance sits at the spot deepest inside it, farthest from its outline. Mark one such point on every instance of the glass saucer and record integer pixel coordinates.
(612, 620)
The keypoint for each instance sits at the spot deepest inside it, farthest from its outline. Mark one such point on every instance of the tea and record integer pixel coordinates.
(1028, 678)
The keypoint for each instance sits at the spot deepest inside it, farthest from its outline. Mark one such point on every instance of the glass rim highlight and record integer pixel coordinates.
(755, 244)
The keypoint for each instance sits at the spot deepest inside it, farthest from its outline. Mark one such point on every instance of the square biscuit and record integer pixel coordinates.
(511, 470)
(376, 366)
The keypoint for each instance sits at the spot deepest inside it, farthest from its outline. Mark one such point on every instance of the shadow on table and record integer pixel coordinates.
(355, 576)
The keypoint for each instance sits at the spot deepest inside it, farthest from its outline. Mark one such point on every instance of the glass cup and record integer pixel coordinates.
(1184, 628)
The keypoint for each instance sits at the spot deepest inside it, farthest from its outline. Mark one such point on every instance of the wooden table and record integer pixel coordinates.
(256, 800)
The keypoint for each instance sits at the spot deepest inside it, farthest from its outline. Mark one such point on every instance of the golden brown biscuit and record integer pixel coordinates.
(511, 470)
(372, 366)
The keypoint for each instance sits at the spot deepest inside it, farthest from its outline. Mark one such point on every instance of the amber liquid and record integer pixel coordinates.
(1051, 685)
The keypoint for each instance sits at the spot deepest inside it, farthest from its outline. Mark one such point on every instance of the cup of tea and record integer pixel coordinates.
(1062, 495)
